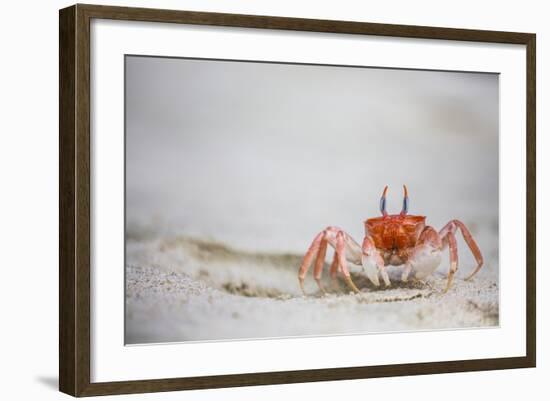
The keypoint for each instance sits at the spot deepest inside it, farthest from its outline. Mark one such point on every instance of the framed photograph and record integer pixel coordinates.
(250, 200)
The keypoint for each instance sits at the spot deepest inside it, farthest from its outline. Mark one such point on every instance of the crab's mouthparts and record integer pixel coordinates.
(395, 260)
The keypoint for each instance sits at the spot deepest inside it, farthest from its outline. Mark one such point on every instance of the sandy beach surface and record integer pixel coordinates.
(184, 289)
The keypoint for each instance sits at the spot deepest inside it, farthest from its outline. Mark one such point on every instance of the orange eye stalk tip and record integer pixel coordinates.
(383, 202)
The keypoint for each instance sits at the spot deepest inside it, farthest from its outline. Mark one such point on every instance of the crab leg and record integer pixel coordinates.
(425, 258)
(452, 227)
(453, 256)
(334, 270)
(384, 274)
(341, 251)
(334, 266)
(345, 249)
(406, 272)
(308, 258)
(319, 263)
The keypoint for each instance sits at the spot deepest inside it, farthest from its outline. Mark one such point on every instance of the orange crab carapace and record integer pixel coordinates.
(391, 239)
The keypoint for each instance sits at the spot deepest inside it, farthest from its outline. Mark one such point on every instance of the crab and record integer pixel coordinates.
(391, 239)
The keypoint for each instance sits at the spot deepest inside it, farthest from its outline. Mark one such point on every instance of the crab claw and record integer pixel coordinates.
(371, 268)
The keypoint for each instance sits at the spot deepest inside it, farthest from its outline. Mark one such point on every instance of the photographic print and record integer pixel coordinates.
(269, 200)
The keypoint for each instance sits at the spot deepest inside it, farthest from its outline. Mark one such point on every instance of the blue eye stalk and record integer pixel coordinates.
(383, 202)
(405, 208)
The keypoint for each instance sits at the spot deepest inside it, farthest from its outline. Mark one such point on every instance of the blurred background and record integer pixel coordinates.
(262, 156)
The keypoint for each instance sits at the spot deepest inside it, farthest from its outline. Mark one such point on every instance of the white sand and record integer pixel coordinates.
(182, 289)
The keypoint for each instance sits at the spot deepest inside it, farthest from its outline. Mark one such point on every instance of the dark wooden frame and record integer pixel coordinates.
(74, 199)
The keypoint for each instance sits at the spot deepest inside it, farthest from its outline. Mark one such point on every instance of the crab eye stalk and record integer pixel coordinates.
(383, 202)
(405, 208)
